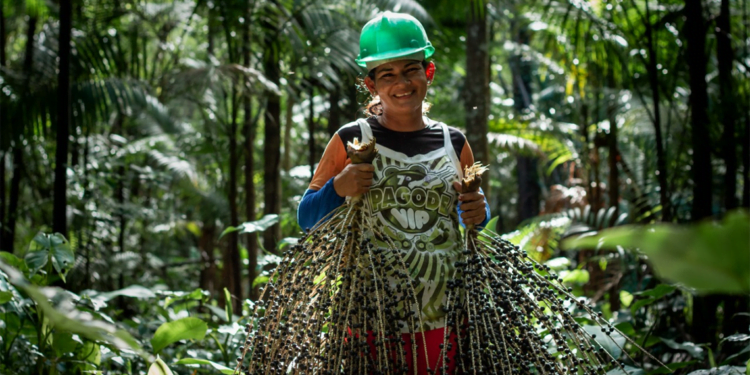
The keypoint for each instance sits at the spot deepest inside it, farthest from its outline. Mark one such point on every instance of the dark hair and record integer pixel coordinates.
(375, 107)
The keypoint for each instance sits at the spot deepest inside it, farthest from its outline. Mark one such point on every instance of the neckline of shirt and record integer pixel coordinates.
(429, 125)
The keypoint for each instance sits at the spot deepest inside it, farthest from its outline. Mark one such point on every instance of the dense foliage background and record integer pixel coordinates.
(168, 143)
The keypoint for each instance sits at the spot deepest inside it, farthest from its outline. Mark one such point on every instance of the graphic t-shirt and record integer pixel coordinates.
(412, 198)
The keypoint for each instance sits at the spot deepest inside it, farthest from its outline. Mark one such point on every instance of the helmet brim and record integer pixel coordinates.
(429, 50)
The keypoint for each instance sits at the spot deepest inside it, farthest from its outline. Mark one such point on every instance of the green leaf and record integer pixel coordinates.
(260, 280)
(723, 370)
(133, 291)
(612, 343)
(195, 361)
(183, 329)
(694, 350)
(36, 260)
(12, 260)
(63, 258)
(5, 296)
(159, 368)
(253, 226)
(687, 254)
(628, 371)
(73, 321)
(228, 304)
(45, 248)
(491, 225)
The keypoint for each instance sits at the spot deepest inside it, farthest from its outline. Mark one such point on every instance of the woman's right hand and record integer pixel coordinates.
(354, 180)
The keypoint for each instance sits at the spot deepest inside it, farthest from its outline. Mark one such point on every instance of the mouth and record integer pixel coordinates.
(404, 95)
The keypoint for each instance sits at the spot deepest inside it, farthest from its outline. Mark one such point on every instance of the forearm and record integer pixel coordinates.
(316, 204)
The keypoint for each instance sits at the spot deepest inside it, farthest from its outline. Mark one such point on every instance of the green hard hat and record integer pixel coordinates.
(390, 36)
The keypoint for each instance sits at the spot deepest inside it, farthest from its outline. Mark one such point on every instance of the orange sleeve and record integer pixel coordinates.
(331, 164)
(467, 157)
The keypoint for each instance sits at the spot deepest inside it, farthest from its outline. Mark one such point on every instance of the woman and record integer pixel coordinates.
(412, 188)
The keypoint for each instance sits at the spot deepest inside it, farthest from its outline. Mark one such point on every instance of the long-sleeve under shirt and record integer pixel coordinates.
(321, 198)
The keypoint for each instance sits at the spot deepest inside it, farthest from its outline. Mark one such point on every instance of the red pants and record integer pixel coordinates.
(433, 339)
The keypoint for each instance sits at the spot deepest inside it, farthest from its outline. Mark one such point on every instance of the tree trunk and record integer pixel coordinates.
(206, 248)
(477, 84)
(287, 162)
(725, 57)
(529, 191)
(661, 164)
(59, 216)
(15, 190)
(17, 146)
(704, 329)
(334, 115)
(695, 32)
(2, 198)
(272, 150)
(248, 132)
(232, 263)
(614, 172)
(3, 38)
(311, 132)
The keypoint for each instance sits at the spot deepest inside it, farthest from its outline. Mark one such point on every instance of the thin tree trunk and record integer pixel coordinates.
(476, 87)
(232, 263)
(529, 191)
(206, 247)
(661, 164)
(311, 133)
(725, 57)
(2, 196)
(3, 37)
(248, 132)
(287, 162)
(15, 190)
(59, 216)
(334, 115)
(17, 146)
(704, 329)
(272, 150)
(695, 31)
(746, 131)
(614, 173)
(3, 141)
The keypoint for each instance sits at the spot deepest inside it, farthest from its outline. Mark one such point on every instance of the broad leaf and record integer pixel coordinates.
(694, 350)
(253, 226)
(723, 370)
(195, 361)
(612, 343)
(134, 291)
(688, 254)
(159, 368)
(183, 329)
(72, 320)
(5, 296)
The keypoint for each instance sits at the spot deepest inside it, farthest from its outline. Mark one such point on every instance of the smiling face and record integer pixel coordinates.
(401, 85)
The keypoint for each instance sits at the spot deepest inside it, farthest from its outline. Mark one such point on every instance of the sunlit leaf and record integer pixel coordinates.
(687, 254)
(183, 329)
(253, 226)
(195, 361)
(694, 350)
(159, 368)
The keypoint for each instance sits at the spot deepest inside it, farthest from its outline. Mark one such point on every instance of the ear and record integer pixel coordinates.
(370, 84)
(430, 71)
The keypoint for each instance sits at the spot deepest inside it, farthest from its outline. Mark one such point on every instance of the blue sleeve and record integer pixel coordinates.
(316, 204)
(486, 210)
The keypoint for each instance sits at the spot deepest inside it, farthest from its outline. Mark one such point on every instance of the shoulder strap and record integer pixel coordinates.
(364, 126)
(450, 150)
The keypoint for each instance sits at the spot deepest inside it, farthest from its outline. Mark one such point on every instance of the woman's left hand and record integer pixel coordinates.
(472, 205)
